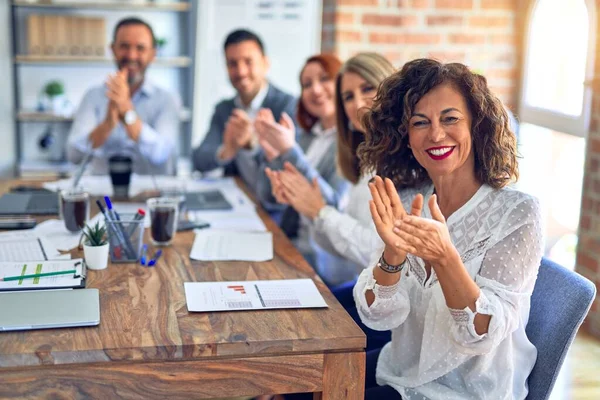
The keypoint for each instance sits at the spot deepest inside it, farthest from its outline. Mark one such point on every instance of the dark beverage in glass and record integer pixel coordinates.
(162, 224)
(120, 168)
(163, 220)
(74, 209)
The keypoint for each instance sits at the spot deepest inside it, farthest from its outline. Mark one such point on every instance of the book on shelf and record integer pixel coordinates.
(98, 28)
(50, 26)
(34, 34)
(62, 35)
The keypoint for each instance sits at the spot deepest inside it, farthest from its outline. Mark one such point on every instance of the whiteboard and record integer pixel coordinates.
(290, 31)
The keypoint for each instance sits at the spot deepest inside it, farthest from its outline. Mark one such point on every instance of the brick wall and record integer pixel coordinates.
(485, 35)
(480, 33)
(588, 249)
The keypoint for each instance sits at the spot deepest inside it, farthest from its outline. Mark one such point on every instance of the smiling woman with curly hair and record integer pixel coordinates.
(461, 250)
(386, 149)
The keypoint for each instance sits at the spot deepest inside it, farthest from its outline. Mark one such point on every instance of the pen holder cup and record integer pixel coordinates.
(125, 237)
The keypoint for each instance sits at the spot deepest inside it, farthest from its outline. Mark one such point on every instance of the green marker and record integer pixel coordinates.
(31, 276)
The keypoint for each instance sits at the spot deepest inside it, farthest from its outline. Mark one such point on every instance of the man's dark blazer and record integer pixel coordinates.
(204, 156)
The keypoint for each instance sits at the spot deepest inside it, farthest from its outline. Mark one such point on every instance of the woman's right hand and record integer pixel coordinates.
(386, 208)
(280, 136)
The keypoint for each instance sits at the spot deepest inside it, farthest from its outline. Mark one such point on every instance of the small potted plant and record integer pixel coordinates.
(55, 93)
(95, 246)
(161, 43)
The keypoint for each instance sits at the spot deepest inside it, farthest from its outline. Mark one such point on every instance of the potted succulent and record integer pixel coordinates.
(95, 246)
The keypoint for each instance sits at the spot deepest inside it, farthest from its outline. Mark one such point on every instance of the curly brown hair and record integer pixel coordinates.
(385, 149)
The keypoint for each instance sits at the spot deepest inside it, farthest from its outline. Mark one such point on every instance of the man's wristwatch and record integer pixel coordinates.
(130, 117)
(323, 212)
(391, 269)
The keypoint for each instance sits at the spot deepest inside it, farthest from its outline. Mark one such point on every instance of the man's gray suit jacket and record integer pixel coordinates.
(204, 156)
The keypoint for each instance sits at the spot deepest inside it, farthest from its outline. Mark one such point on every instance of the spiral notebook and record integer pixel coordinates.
(74, 278)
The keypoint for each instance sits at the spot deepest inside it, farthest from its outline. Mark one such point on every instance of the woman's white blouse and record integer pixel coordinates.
(435, 352)
(350, 232)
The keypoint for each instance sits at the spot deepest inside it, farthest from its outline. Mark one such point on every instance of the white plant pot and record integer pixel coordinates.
(96, 257)
(57, 104)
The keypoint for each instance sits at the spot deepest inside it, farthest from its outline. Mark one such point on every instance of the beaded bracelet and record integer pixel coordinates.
(391, 269)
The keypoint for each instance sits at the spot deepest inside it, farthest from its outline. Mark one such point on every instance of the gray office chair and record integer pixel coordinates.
(560, 301)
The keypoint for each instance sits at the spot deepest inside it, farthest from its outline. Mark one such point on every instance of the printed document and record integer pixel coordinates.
(211, 245)
(252, 295)
(27, 245)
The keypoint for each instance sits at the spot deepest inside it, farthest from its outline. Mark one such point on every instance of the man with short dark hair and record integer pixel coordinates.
(128, 115)
(231, 141)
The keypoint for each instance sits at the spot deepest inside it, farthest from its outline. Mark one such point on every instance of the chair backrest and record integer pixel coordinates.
(560, 301)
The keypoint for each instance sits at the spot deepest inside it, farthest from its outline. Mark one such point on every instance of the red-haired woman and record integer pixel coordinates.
(314, 152)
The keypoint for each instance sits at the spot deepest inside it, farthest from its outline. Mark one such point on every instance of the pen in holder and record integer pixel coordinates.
(125, 237)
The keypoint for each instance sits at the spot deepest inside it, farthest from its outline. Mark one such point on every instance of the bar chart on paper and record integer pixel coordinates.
(252, 295)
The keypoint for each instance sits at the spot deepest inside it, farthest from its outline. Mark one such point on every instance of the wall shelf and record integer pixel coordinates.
(176, 18)
(25, 59)
(176, 6)
(37, 116)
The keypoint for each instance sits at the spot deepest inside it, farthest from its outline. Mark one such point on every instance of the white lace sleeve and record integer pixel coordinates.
(506, 279)
(346, 236)
(391, 305)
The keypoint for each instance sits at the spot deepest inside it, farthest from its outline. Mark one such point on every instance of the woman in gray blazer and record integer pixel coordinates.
(313, 154)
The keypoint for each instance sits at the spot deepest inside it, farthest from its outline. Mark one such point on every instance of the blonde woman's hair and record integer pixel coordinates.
(373, 68)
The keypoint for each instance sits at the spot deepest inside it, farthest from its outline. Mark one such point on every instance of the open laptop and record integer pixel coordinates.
(44, 309)
(33, 203)
(207, 200)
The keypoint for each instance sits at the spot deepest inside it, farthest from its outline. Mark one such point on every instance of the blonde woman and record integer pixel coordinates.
(347, 233)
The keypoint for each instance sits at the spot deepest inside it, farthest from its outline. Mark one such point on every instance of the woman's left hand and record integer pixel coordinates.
(428, 239)
(276, 187)
(305, 197)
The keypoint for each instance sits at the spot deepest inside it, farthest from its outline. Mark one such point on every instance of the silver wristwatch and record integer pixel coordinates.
(391, 269)
(130, 117)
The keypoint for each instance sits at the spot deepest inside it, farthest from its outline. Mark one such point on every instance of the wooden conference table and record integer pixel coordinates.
(148, 346)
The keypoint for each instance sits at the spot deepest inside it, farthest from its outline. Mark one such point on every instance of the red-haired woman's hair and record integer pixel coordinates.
(331, 64)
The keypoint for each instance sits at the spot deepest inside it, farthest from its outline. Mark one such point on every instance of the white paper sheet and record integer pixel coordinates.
(27, 245)
(252, 295)
(100, 185)
(211, 245)
(239, 221)
(94, 185)
(242, 218)
(55, 232)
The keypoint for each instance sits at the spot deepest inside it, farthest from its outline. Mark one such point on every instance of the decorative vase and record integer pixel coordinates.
(96, 257)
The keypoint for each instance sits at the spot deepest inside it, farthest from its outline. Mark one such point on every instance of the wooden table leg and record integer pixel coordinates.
(343, 377)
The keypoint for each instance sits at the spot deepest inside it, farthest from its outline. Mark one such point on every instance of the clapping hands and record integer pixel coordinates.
(274, 138)
(289, 186)
(403, 233)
